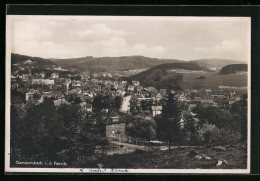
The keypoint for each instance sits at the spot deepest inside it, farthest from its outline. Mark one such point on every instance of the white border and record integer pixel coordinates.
(129, 171)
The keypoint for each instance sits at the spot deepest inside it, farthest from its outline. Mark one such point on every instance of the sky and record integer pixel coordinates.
(183, 38)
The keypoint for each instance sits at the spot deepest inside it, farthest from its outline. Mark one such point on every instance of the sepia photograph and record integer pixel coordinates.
(128, 94)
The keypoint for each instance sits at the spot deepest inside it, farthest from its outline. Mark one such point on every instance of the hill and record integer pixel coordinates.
(110, 64)
(160, 76)
(22, 63)
(214, 62)
(36, 61)
(233, 68)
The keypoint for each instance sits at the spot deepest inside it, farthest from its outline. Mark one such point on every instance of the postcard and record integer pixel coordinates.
(127, 94)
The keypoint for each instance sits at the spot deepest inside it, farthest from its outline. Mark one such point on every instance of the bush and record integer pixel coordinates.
(228, 137)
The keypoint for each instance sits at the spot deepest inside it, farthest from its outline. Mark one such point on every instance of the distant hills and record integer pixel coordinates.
(110, 64)
(233, 68)
(214, 62)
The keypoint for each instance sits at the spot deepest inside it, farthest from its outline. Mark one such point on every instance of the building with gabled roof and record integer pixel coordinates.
(58, 102)
(115, 126)
(130, 87)
(156, 110)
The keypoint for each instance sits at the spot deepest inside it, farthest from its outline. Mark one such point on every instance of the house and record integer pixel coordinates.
(125, 103)
(58, 102)
(182, 98)
(89, 108)
(163, 92)
(185, 115)
(54, 75)
(115, 126)
(43, 81)
(156, 110)
(139, 90)
(76, 91)
(191, 106)
(29, 95)
(153, 95)
(230, 102)
(158, 97)
(151, 89)
(234, 99)
(124, 82)
(86, 107)
(208, 90)
(135, 83)
(130, 88)
(75, 84)
(219, 95)
(40, 75)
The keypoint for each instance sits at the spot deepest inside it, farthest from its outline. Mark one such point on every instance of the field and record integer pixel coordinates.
(212, 80)
(233, 157)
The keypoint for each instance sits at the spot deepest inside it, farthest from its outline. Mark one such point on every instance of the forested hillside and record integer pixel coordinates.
(233, 68)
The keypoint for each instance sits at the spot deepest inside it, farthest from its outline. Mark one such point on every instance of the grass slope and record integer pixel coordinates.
(160, 77)
(178, 158)
(212, 80)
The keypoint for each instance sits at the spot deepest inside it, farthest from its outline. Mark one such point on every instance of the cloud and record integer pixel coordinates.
(223, 46)
(227, 45)
(61, 40)
(68, 37)
(201, 49)
(99, 31)
(118, 46)
(228, 48)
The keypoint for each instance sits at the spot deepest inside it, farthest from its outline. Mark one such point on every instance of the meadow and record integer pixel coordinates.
(211, 80)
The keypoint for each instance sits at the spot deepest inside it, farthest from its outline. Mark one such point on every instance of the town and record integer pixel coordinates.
(126, 115)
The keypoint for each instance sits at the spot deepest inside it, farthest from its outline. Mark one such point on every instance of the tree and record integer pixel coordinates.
(213, 115)
(77, 100)
(145, 105)
(140, 127)
(217, 117)
(16, 121)
(97, 104)
(168, 123)
(239, 111)
(201, 112)
(207, 137)
(39, 129)
(118, 102)
(106, 102)
(189, 125)
(46, 133)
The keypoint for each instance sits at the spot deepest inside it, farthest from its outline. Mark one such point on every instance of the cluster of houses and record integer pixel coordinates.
(136, 98)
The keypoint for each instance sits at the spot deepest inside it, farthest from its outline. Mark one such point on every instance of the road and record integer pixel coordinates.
(131, 145)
